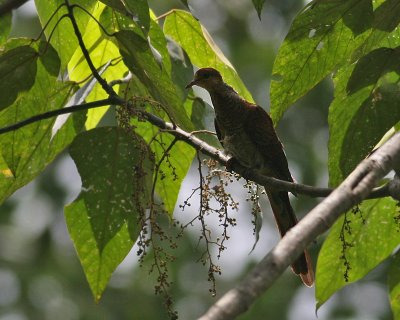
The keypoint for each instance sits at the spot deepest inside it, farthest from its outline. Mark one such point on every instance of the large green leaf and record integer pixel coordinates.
(63, 38)
(103, 221)
(394, 285)
(17, 73)
(140, 60)
(361, 113)
(373, 236)
(321, 38)
(201, 49)
(27, 151)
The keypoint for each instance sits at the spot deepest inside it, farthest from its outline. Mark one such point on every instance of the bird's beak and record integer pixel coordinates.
(191, 84)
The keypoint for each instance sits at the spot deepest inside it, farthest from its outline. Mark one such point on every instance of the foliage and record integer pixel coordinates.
(132, 172)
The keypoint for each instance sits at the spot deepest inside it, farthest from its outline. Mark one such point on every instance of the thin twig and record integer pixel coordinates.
(85, 52)
(54, 113)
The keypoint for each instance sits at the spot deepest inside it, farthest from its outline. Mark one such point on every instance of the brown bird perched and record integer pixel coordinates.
(247, 134)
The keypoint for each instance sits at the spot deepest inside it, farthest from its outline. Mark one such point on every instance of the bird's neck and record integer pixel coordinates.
(230, 109)
(226, 100)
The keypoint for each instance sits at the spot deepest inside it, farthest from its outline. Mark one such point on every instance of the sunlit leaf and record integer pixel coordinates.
(27, 151)
(63, 38)
(373, 236)
(321, 38)
(201, 49)
(103, 221)
(17, 73)
(103, 51)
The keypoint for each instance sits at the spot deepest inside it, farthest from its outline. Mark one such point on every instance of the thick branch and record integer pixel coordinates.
(351, 192)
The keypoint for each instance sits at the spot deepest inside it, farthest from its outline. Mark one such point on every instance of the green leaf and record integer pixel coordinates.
(321, 38)
(182, 69)
(27, 151)
(358, 121)
(371, 67)
(258, 5)
(63, 38)
(394, 285)
(5, 25)
(138, 57)
(201, 49)
(369, 243)
(102, 50)
(17, 73)
(385, 30)
(137, 10)
(103, 221)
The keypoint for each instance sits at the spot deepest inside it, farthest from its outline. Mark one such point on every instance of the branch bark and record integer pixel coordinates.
(352, 191)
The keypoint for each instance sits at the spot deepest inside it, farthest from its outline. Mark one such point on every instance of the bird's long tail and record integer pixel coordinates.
(286, 219)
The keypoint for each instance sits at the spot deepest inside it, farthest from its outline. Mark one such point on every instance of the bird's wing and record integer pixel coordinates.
(218, 131)
(259, 127)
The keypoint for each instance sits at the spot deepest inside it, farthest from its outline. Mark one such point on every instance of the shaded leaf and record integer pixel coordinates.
(394, 285)
(17, 73)
(387, 16)
(182, 69)
(385, 30)
(201, 49)
(379, 227)
(321, 38)
(371, 67)
(5, 25)
(116, 178)
(27, 151)
(258, 5)
(358, 121)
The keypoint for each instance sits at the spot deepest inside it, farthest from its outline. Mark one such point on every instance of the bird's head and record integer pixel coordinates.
(207, 78)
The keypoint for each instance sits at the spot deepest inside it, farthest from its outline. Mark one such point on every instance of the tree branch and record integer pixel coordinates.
(54, 113)
(352, 191)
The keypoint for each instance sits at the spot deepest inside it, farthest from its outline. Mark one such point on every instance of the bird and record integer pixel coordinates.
(247, 134)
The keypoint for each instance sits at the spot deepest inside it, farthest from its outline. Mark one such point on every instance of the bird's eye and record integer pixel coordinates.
(206, 75)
